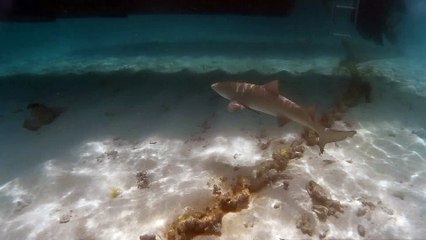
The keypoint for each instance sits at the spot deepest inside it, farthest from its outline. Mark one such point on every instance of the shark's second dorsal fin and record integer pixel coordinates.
(282, 121)
(272, 86)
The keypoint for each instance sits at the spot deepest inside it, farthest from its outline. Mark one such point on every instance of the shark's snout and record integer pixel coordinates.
(223, 89)
(214, 85)
(219, 89)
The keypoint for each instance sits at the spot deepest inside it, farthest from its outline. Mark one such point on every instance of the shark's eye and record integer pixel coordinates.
(33, 105)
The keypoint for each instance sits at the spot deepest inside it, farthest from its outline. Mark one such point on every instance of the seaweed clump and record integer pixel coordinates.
(114, 192)
(272, 170)
(209, 222)
(194, 223)
(357, 89)
(310, 136)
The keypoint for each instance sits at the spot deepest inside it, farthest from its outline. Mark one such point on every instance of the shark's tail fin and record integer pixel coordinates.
(330, 135)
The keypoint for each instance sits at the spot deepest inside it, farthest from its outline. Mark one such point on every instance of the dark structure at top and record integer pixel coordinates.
(47, 10)
(376, 18)
(379, 18)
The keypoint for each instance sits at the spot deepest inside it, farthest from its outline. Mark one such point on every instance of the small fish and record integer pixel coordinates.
(267, 99)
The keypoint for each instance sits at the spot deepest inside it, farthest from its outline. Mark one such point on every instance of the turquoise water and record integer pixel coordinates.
(140, 86)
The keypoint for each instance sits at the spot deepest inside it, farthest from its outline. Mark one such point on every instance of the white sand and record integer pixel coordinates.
(384, 163)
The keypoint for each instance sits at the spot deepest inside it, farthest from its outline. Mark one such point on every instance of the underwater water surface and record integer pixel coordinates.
(134, 141)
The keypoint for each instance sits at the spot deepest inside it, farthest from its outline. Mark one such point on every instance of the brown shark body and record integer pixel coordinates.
(266, 99)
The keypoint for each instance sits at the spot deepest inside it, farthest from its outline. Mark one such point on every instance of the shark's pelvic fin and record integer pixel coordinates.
(234, 106)
(272, 87)
(282, 121)
(311, 111)
(330, 135)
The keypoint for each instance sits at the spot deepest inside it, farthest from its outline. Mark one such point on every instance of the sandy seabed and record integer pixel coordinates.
(77, 177)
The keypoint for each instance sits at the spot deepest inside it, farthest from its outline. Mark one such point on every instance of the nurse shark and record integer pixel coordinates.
(267, 99)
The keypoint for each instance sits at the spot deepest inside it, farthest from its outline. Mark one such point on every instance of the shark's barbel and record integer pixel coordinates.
(267, 99)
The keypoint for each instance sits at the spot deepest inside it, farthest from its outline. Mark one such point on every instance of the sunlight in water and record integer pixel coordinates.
(111, 130)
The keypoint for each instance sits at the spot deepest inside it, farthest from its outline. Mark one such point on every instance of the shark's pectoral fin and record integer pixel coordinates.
(234, 106)
(282, 121)
(272, 87)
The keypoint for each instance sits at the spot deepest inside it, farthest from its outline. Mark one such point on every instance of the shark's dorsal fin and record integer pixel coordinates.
(272, 87)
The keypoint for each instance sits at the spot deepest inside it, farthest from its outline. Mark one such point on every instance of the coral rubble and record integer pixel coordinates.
(361, 230)
(64, 218)
(322, 204)
(306, 225)
(147, 237)
(142, 180)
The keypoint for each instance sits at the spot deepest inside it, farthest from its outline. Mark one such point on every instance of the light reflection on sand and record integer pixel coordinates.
(178, 180)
